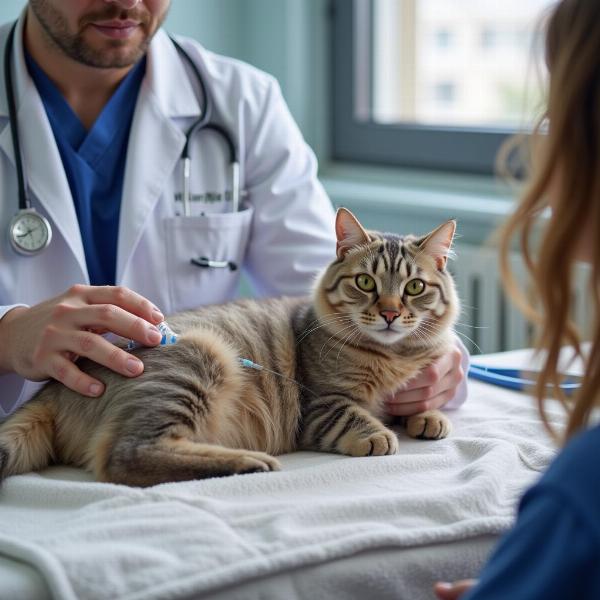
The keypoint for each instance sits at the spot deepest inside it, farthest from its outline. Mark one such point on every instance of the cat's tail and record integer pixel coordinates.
(27, 439)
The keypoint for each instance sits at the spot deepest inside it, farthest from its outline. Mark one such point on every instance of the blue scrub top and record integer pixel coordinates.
(553, 552)
(94, 163)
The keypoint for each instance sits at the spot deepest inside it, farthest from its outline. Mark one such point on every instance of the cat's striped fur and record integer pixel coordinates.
(196, 412)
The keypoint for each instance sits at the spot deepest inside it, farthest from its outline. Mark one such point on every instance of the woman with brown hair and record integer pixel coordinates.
(553, 552)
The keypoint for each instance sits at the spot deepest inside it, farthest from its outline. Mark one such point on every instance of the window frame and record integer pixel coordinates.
(442, 148)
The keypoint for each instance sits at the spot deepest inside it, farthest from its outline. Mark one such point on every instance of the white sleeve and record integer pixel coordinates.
(293, 235)
(462, 389)
(14, 390)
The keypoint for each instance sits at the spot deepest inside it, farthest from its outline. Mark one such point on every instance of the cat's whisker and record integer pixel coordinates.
(326, 319)
(321, 357)
(460, 324)
(427, 325)
(422, 336)
(430, 325)
(466, 337)
(349, 340)
(463, 306)
(340, 320)
(334, 335)
(328, 315)
(332, 346)
(306, 333)
(426, 331)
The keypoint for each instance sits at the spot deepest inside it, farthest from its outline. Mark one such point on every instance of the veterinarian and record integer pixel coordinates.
(138, 176)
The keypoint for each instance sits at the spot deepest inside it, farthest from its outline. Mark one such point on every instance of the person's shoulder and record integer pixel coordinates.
(578, 460)
(225, 70)
(573, 478)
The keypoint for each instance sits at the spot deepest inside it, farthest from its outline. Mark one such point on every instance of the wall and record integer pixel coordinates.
(289, 39)
(10, 9)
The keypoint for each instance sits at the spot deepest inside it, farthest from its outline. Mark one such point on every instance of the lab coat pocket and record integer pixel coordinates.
(219, 238)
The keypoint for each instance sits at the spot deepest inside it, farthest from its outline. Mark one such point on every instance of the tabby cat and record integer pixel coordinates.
(380, 312)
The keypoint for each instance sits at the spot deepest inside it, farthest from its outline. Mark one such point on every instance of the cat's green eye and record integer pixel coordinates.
(414, 287)
(365, 282)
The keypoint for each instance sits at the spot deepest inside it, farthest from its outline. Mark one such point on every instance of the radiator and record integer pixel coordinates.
(489, 322)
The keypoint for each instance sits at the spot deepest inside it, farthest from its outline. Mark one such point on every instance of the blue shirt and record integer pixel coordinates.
(553, 552)
(94, 163)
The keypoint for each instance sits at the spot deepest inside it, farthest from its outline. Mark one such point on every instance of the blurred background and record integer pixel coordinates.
(405, 103)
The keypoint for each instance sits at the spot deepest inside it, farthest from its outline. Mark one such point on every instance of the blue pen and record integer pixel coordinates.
(517, 379)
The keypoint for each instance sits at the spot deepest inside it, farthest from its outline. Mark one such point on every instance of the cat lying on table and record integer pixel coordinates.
(380, 312)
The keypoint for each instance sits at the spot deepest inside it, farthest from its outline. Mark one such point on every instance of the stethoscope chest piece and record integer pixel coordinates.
(29, 232)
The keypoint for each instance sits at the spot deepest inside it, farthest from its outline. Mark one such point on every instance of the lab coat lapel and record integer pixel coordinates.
(44, 172)
(155, 143)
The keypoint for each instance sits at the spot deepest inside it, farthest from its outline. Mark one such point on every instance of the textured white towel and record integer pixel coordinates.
(100, 541)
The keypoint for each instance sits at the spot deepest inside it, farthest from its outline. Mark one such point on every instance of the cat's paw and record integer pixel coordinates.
(381, 443)
(430, 425)
(255, 462)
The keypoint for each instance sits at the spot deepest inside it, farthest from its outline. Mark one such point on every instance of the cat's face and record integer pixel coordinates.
(386, 287)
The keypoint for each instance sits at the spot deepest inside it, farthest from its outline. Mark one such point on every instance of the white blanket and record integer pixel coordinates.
(101, 541)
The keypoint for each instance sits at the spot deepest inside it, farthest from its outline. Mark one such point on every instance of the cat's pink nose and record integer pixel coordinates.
(389, 315)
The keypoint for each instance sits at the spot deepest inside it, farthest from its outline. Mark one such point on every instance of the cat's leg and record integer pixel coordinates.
(428, 425)
(144, 463)
(27, 439)
(337, 424)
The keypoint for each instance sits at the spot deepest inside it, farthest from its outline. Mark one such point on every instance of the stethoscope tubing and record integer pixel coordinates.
(204, 123)
(24, 203)
(513, 380)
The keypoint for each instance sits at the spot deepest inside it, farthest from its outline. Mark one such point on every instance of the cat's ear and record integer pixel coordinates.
(438, 243)
(349, 231)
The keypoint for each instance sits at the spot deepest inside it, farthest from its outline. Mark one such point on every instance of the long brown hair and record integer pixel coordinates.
(566, 170)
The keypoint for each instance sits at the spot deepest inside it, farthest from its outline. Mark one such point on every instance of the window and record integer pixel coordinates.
(445, 92)
(433, 83)
(443, 38)
(489, 37)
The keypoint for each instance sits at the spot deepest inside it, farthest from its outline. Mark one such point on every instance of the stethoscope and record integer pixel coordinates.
(30, 232)
(519, 379)
(204, 124)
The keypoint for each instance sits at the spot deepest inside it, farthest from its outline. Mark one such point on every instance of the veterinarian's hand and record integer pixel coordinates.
(453, 591)
(432, 388)
(44, 340)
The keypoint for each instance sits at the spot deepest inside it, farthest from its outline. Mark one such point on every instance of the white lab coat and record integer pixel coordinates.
(283, 237)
